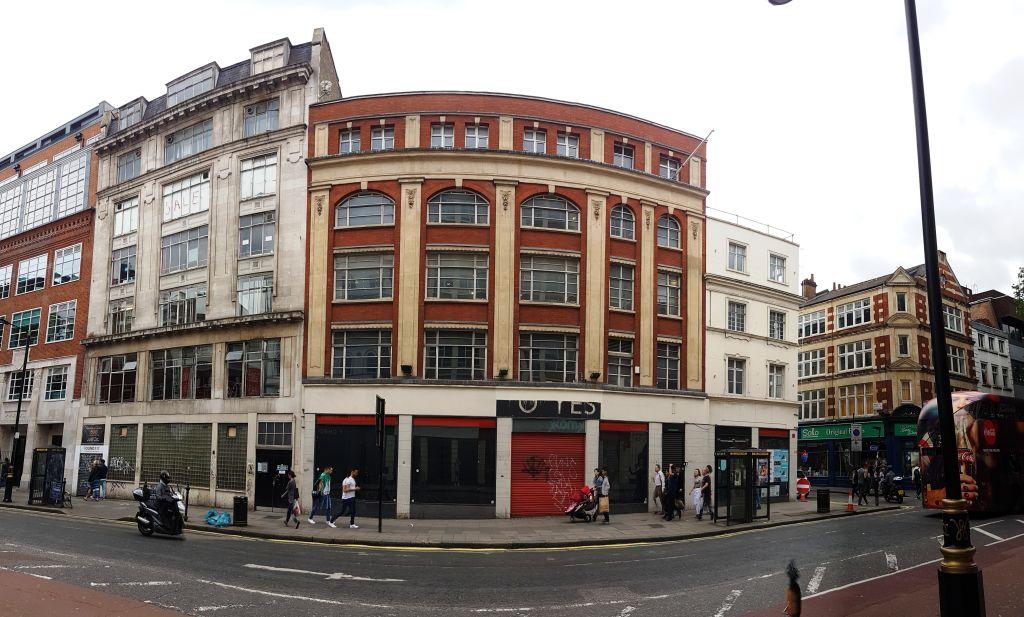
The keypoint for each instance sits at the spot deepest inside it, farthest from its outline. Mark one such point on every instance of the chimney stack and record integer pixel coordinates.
(808, 288)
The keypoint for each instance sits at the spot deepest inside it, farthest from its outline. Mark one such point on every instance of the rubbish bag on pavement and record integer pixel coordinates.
(218, 519)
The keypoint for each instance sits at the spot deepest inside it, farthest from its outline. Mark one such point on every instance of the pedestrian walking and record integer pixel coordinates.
(916, 475)
(101, 480)
(695, 491)
(671, 493)
(291, 497)
(659, 489)
(94, 485)
(349, 488)
(794, 598)
(705, 495)
(604, 496)
(863, 483)
(322, 497)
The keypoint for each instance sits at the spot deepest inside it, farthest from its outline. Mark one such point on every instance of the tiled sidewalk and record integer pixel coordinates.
(488, 533)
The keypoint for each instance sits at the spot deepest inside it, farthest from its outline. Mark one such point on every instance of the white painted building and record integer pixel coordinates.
(992, 359)
(752, 302)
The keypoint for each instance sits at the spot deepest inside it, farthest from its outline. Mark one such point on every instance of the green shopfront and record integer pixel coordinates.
(827, 457)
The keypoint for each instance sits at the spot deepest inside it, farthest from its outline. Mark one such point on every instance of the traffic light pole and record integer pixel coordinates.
(17, 453)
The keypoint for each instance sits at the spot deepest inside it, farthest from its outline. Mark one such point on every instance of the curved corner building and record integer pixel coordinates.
(522, 281)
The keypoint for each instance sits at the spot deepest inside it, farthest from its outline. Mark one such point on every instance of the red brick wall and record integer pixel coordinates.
(881, 307)
(883, 356)
(883, 393)
(924, 351)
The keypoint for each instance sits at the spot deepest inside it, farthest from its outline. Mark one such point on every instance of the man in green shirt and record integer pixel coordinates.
(322, 488)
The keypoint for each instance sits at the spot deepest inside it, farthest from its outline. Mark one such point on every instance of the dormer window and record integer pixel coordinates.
(191, 86)
(267, 58)
(130, 115)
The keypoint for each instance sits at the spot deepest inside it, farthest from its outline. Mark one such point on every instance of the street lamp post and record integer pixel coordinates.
(961, 591)
(15, 456)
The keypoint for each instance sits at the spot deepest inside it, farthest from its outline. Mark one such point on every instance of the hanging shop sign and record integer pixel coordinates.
(571, 410)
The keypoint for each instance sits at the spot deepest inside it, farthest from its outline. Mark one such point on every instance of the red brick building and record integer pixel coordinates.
(522, 279)
(47, 201)
(865, 358)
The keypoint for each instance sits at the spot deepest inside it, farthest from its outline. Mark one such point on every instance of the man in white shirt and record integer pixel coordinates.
(659, 486)
(348, 498)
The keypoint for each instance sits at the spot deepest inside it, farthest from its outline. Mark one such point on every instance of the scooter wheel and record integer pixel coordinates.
(146, 530)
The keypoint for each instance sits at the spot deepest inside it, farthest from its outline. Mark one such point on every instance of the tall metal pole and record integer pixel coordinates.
(960, 585)
(381, 439)
(17, 456)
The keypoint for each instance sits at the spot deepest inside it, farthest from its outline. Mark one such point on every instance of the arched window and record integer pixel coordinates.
(622, 222)
(668, 232)
(364, 209)
(457, 207)
(550, 212)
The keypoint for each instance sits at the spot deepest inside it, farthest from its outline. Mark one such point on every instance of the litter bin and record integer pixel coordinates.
(241, 513)
(823, 501)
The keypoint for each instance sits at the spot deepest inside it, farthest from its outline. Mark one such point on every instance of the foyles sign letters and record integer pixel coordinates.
(577, 410)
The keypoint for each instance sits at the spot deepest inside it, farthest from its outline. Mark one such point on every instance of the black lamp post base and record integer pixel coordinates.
(961, 594)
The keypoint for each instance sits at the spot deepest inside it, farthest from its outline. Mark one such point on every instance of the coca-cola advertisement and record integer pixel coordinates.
(989, 433)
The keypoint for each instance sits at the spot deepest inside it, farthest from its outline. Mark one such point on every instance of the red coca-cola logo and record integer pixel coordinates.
(988, 432)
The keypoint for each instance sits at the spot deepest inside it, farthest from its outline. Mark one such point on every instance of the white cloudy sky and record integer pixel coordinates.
(810, 102)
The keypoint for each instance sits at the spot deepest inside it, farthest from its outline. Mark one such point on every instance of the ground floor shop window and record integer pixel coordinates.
(344, 446)
(182, 449)
(779, 475)
(231, 453)
(814, 460)
(623, 451)
(121, 461)
(453, 464)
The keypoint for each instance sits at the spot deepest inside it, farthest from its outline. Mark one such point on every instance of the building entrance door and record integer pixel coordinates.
(271, 465)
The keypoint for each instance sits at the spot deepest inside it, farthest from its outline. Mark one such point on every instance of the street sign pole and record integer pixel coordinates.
(856, 438)
(380, 476)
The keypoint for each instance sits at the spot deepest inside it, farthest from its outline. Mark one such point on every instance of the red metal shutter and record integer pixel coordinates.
(547, 472)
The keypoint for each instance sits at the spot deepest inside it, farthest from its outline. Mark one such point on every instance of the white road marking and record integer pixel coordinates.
(288, 596)
(868, 580)
(891, 562)
(644, 560)
(987, 533)
(1020, 521)
(331, 576)
(46, 578)
(39, 567)
(627, 610)
(1005, 539)
(729, 601)
(769, 575)
(136, 584)
(208, 609)
(815, 582)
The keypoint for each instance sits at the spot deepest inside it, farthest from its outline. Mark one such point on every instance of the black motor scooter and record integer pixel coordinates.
(150, 518)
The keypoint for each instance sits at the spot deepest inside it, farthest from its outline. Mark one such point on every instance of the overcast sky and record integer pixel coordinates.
(810, 102)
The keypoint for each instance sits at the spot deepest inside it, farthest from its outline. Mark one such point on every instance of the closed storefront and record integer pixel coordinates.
(347, 441)
(547, 466)
(453, 467)
(673, 450)
(623, 451)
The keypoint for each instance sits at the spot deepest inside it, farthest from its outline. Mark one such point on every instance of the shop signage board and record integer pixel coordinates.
(93, 434)
(569, 410)
(905, 430)
(856, 433)
(840, 431)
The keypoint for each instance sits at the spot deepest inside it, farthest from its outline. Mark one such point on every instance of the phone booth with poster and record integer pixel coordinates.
(46, 484)
(742, 484)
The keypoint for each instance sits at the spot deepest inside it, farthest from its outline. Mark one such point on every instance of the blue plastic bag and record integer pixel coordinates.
(218, 519)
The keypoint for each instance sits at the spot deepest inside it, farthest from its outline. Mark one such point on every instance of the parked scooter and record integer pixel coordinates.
(166, 516)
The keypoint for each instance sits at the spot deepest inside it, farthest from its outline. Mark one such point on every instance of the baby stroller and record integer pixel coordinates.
(585, 506)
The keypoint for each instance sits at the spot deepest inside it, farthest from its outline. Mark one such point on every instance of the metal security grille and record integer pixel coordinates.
(231, 448)
(181, 449)
(123, 441)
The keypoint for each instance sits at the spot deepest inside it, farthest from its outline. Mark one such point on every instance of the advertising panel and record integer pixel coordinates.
(989, 433)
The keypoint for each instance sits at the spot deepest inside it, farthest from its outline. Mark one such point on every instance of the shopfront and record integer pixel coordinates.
(827, 454)
(347, 441)
(548, 459)
(776, 443)
(623, 451)
(453, 468)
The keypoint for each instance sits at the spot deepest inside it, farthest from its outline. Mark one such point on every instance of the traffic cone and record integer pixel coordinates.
(849, 501)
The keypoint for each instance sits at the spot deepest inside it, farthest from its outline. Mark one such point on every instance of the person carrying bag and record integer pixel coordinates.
(603, 501)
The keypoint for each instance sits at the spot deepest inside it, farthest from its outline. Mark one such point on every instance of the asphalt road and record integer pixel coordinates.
(209, 574)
